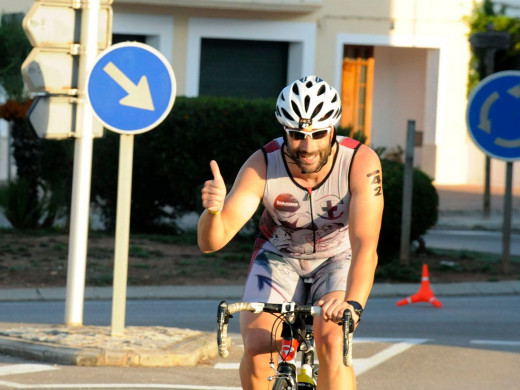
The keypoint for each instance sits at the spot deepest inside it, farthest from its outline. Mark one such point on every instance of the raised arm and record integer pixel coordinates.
(226, 215)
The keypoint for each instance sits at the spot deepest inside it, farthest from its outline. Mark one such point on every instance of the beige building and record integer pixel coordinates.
(392, 60)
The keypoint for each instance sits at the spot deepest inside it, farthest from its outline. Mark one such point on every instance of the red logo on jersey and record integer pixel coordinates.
(329, 207)
(286, 203)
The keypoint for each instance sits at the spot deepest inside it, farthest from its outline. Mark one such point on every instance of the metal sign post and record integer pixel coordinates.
(406, 223)
(67, 35)
(494, 125)
(80, 208)
(131, 89)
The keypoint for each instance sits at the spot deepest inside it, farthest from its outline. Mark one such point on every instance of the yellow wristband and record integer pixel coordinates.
(214, 212)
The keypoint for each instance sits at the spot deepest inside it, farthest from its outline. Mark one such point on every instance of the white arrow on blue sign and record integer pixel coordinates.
(131, 88)
(493, 115)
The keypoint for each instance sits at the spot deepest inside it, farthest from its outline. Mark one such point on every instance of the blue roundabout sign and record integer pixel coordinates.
(493, 115)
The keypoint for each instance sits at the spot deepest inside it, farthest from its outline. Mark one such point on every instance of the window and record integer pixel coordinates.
(118, 38)
(356, 89)
(246, 68)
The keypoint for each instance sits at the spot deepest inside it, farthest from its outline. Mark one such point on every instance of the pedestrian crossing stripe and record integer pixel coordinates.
(16, 369)
(362, 365)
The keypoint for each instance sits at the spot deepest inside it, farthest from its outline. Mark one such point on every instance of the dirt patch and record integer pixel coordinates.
(41, 261)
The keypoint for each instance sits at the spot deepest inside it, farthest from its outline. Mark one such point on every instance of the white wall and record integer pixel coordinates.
(15, 6)
(158, 30)
(399, 90)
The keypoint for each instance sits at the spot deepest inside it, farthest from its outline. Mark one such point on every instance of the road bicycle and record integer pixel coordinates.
(297, 336)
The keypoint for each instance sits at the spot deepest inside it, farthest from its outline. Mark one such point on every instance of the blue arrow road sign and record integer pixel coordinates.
(131, 88)
(493, 115)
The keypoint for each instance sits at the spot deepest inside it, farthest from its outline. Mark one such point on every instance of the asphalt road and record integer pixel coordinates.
(479, 241)
(471, 343)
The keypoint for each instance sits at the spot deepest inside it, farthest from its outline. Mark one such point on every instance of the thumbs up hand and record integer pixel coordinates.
(214, 191)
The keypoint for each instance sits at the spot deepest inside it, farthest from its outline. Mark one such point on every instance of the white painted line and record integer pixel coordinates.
(16, 369)
(226, 366)
(115, 386)
(361, 340)
(496, 342)
(362, 365)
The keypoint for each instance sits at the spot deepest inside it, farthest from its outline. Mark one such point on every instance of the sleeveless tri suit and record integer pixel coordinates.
(303, 231)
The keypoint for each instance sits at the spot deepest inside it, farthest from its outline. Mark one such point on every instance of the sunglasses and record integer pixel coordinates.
(301, 135)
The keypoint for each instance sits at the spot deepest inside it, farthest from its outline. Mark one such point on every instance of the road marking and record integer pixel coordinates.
(115, 386)
(362, 365)
(16, 369)
(496, 342)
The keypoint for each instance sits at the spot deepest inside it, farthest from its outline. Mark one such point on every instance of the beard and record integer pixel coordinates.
(297, 156)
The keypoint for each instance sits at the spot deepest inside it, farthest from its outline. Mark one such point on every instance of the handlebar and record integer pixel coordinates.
(226, 311)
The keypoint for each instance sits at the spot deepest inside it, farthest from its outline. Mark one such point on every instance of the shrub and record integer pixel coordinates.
(425, 204)
(171, 162)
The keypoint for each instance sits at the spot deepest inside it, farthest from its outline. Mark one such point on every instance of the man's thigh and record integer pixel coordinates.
(256, 332)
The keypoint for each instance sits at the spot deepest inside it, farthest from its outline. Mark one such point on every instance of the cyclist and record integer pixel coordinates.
(323, 202)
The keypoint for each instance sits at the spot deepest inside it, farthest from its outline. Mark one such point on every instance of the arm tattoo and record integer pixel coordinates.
(376, 182)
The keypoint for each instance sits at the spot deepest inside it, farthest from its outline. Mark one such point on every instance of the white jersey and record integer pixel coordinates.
(306, 223)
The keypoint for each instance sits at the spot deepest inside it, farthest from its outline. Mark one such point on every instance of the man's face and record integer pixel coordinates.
(309, 154)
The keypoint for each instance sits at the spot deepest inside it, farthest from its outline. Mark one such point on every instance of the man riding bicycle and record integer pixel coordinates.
(323, 202)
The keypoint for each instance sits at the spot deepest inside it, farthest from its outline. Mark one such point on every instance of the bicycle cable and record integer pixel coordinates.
(295, 331)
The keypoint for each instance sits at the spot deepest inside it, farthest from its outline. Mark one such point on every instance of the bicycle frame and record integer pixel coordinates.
(287, 373)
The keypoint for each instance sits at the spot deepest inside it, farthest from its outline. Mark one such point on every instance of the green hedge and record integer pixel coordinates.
(171, 162)
(425, 206)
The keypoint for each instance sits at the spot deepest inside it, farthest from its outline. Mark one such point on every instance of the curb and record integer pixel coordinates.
(187, 353)
(136, 292)
(235, 291)
(510, 287)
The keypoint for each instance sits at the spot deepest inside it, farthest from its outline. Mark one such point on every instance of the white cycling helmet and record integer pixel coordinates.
(308, 101)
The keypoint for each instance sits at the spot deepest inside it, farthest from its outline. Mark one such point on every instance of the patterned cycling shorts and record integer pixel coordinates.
(276, 279)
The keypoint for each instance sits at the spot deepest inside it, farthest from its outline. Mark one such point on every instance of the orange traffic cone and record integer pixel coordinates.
(424, 294)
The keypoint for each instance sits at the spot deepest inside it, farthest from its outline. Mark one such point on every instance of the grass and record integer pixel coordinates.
(477, 256)
(443, 262)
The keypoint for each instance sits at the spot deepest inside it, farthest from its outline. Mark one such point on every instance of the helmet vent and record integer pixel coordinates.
(307, 102)
(295, 89)
(335, 98)
(286, 114)
(296, 109)
(309, 84)
(321, 91)
(317, 110)
(327, 115)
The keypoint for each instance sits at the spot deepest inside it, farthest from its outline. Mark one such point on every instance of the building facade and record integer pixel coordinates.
(392, 60)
